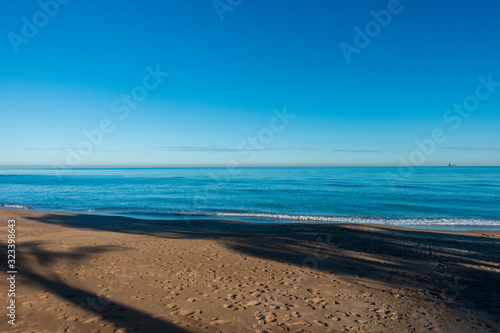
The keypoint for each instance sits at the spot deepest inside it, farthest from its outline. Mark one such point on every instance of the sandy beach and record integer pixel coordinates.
(84, 273)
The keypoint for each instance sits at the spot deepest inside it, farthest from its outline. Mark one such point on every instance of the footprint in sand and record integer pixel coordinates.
(186, 312)
(217, 322)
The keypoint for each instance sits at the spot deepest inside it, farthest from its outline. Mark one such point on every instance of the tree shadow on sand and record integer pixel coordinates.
(89, 305)
(458, 270)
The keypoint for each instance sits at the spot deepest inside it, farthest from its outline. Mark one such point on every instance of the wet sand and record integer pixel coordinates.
(85, 273)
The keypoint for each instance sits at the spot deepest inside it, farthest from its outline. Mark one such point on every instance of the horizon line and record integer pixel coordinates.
(242, 166)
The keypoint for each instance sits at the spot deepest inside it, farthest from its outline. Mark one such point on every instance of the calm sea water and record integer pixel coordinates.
(434, 196)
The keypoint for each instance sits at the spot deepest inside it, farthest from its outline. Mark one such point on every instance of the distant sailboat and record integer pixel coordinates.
(452, 165)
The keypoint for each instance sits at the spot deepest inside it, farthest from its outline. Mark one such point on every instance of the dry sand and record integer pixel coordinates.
(84, 273)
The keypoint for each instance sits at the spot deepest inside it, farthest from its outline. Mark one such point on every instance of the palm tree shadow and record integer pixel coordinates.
(89, 305)
(95, 305)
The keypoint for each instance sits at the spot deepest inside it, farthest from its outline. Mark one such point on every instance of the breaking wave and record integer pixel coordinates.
(363, 220)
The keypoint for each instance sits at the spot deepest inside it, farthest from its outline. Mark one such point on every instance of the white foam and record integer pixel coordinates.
(364, 220)
(14, 206)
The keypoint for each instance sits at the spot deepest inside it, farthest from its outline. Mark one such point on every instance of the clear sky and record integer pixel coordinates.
(251, 82)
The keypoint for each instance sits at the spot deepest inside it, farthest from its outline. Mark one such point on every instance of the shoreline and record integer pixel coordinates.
(115, 274)
(268, 221)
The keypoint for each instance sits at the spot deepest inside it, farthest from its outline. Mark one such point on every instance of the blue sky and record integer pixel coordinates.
(228, 79)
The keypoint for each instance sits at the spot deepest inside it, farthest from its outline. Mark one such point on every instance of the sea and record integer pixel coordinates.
(446, 198)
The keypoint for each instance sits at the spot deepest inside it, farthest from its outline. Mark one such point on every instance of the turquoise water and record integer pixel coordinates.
(432, 196)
